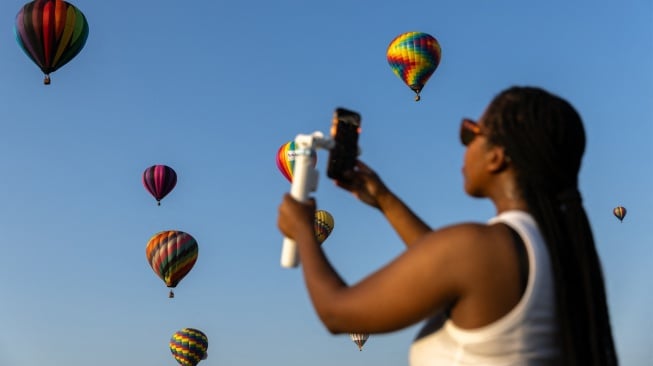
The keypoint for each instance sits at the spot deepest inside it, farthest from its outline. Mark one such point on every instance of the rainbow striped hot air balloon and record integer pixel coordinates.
(171, 254)
(189, 346)
(413, 57)
(159, 180)
(286, 159)
(51, 33)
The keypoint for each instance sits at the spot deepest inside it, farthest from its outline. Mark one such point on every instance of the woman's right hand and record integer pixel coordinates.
(365, 184)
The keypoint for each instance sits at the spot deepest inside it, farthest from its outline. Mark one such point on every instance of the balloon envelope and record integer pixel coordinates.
(189, 346)
(51, 33)
(171, 254)
(286, 159)
(413, 57)
(359, 339)
(323, 225)
(619, 212)
(159, 180)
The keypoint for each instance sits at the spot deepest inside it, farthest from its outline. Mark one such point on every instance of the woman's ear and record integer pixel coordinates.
(498, 160)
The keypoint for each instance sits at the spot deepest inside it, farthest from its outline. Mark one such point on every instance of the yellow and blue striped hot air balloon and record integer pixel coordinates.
(413, 57)
(323, 225)
(189, 346)
(171, 254)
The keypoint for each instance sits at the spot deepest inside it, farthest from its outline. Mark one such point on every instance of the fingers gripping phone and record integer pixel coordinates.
(345, 129)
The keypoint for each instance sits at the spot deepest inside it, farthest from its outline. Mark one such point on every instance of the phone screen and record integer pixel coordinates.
(345, 129)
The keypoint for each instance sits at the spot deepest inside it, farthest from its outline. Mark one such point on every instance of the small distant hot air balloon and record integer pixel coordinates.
(159, 180)
(171, 254)
(286, 159)
(619, 212)
(413, 57)
(189, 346)
(323, 225)
(51, 33)
(359, 339)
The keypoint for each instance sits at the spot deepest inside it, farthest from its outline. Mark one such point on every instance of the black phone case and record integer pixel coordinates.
(345, 131)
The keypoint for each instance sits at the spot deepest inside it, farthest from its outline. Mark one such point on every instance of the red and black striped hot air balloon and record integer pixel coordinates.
(51, 33)
(172, 254)
(159, 180)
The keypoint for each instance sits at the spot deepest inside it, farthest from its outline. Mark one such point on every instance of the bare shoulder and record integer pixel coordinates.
(483, 265)
(470, 250)
(465, 237)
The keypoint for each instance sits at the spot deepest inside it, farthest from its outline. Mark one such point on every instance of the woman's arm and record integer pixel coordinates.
(431, 275)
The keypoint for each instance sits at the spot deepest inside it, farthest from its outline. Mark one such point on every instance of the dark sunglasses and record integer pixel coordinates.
(468, 131)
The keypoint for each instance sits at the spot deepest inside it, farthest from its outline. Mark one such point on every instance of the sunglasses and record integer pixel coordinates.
(468, 131)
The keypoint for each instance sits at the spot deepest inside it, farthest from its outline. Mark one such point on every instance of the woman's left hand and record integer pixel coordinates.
(296, 219)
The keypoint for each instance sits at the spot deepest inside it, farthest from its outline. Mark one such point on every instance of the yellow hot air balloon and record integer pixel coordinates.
(323, 225)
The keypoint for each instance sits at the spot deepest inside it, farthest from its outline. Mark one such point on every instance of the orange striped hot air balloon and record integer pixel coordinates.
(171, 254)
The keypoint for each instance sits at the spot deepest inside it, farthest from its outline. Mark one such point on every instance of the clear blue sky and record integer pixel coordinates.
(212, 89)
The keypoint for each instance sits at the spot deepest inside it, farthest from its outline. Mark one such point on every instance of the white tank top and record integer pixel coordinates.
(524, 336)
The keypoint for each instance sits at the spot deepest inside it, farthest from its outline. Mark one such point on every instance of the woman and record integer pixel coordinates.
(524, 289)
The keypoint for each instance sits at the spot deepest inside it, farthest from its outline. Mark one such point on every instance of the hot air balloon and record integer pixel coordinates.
(413, 57)
(286, 159)
(359, 339)
(171, 254)
(189, 346)
(619, 212)
(323, 225)
(51, 33)
(159, 180)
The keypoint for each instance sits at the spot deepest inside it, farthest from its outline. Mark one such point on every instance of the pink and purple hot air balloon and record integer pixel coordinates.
(159, 180)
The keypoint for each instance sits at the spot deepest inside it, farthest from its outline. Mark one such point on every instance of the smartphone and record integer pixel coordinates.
(345, 129)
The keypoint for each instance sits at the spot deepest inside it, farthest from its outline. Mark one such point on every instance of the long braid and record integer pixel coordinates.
(545, 139)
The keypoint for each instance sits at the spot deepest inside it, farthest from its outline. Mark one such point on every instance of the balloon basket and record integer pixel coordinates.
(417, 89)
(171, 295)
(46, 80)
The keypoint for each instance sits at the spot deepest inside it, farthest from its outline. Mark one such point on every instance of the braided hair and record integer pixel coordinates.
(544, 137)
